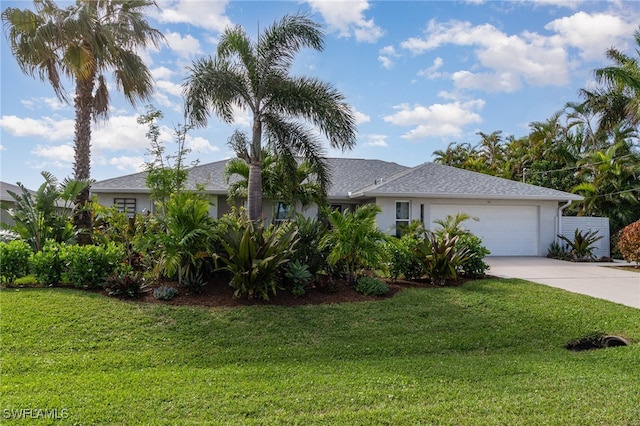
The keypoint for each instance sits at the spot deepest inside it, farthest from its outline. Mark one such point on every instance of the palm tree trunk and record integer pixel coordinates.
(254, 190)
(83, 103)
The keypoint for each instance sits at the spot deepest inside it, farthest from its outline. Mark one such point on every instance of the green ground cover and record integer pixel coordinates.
(488, 352)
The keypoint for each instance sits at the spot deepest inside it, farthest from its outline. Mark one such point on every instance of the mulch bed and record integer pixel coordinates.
(219, 293)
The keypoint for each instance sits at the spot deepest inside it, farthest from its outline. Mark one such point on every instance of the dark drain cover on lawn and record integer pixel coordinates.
(596, 342)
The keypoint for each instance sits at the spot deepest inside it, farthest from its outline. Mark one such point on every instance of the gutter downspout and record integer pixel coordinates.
(560, 210)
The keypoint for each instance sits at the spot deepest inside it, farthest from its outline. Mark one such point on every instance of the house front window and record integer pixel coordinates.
(281, 212)
(402, 216)
(125, 205)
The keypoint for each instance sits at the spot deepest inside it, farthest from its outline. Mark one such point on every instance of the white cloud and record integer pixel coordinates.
(60, 155)
(376, 140)
(54, 104)
(127, 164)
(120, 133)
(204, 14)
(162, 73)
(49, 128)
(185, 46)
(510, 59)
(169, 87)
(592, 34)
(432, 72)
(386, 56)
(360, 117)
(347, 17)
(445, 120)
(200, 145)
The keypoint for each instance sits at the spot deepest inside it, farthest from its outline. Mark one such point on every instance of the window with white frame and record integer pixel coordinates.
(125, 205)
(402, 216)
(281, 212)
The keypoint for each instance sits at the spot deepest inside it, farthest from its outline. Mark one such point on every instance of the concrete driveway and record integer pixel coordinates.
(601, 280)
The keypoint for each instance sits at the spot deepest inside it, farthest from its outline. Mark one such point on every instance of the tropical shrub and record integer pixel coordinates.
(89, 266)
(371, 286)
(47, 264)
(47, 213)
(403, 261)
(354, 241)
(440, 257)
(309, 250)
(629, 242)
(186, 236)
(254, 254)
(474, 266)
(165, 293)
(299, 276)
(124, 282)
(558, 251)
(14, 260)
(582, 245)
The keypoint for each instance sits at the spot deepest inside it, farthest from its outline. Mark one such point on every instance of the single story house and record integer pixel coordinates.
(514, 218)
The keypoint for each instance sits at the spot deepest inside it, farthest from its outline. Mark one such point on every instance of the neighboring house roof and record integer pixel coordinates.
(437, 180)
(359, 178)
(4, 187)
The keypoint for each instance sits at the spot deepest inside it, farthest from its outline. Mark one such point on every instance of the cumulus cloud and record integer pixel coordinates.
(209, 15)
(59, 155)
(444, 120)
(592, 34)
(432, 72)
(49, 128)
(347, 17)
(127, 164)
(360, 117)
(376, 140)
(184, 46)
(120, 133)
(509, 59)
(200, 145)
(162, 73)
(386, 55)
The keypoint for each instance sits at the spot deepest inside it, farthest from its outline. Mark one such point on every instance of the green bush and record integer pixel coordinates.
(474, 266)
(440, 257)
(124, 282)
(299, 277)
(253, 255)
(403, 261)
(89, 266)
(14, 260)
(629, 242)
(165, 293)
(47, 264)
(186, 237)
(309, 251)
(354, 241)
(371, 286)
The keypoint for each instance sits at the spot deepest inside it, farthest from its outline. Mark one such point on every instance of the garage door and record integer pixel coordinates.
(505, 230)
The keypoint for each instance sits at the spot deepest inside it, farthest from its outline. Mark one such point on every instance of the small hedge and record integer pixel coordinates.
(14, 260)
(629, 243)
(370, 286)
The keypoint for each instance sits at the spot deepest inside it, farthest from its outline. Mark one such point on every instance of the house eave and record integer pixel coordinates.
(357, 195)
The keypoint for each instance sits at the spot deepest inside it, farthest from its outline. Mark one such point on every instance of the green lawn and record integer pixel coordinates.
(489, 352)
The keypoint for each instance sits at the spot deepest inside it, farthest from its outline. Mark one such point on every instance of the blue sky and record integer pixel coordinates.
(418, 75)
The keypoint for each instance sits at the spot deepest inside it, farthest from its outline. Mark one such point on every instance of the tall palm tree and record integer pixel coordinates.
(492, 149)
(83, 42)
(255, 76)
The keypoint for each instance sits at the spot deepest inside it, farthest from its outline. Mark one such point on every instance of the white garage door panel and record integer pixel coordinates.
(505, 230)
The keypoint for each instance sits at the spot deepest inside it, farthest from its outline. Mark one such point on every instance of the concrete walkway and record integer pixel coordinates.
(601, 280)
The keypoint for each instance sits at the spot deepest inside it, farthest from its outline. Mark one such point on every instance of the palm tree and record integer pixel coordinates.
(255, 76)
(623, 79)
(82, 42)
(492, 149)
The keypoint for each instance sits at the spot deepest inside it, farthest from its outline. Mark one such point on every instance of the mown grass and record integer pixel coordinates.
(489, 352)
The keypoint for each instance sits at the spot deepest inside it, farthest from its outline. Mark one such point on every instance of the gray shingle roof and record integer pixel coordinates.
(370, 178)
(436, 180)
